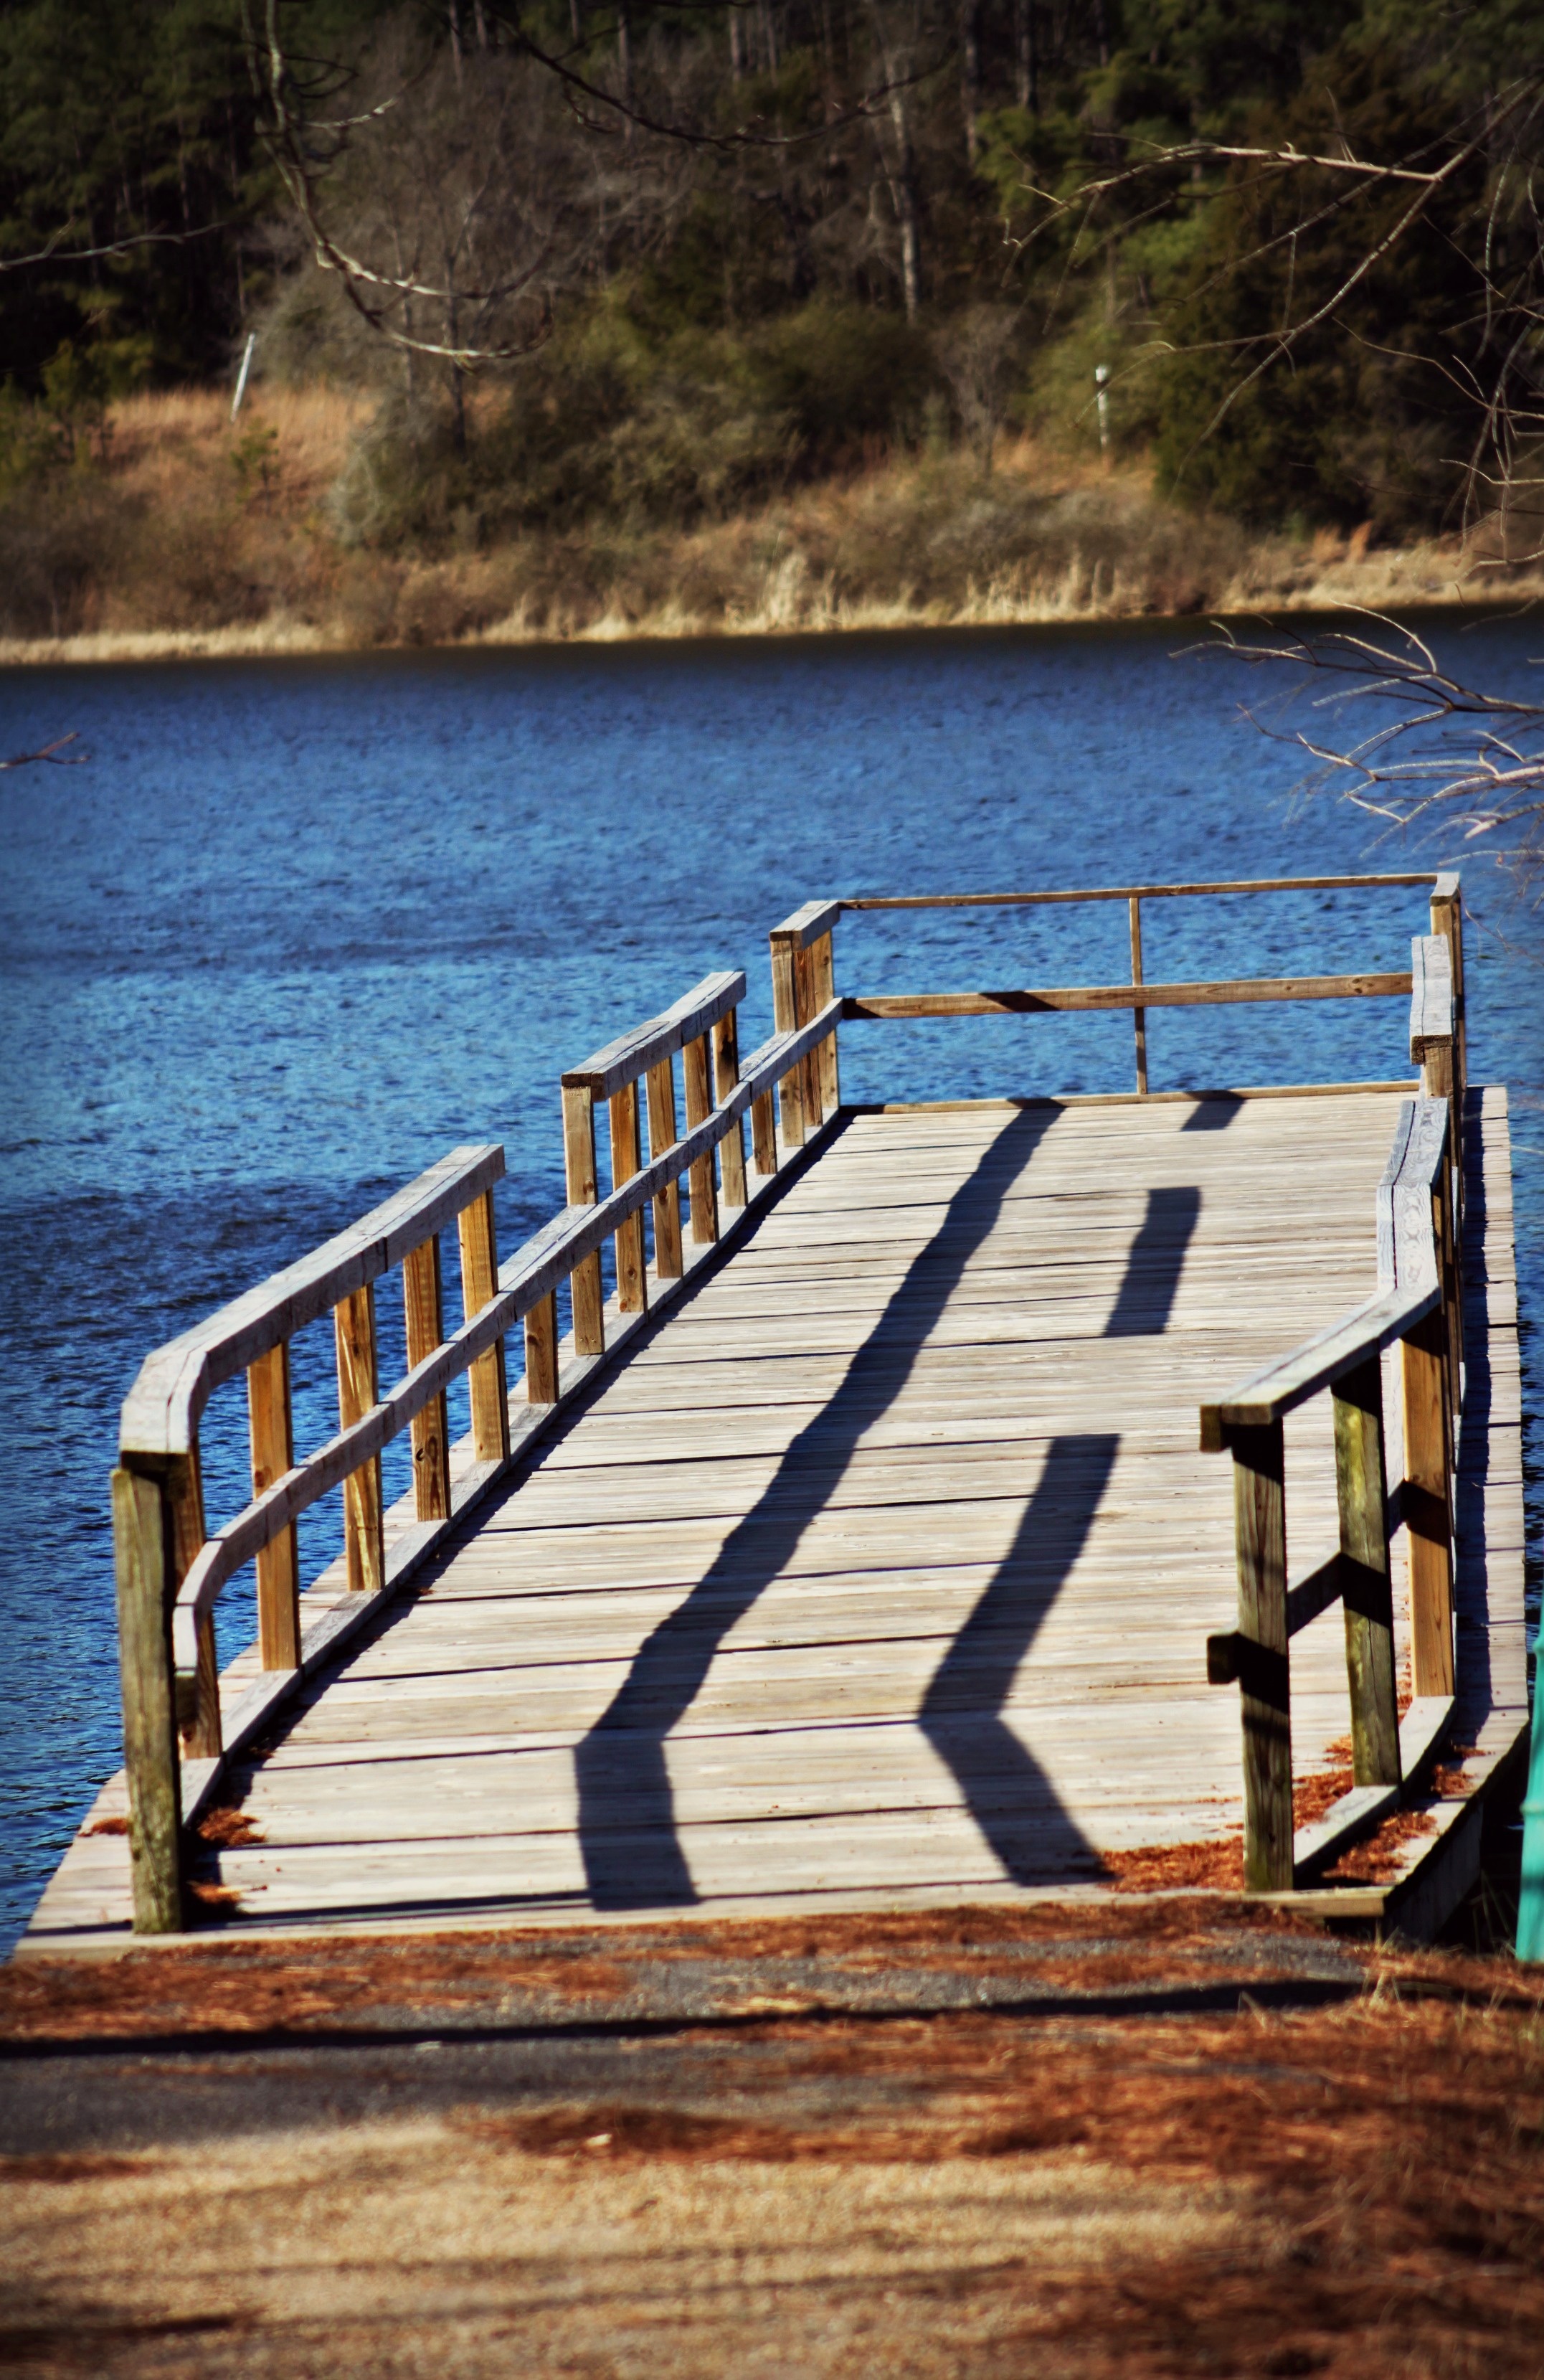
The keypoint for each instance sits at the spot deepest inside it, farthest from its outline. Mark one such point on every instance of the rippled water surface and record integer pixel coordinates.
(298, 927)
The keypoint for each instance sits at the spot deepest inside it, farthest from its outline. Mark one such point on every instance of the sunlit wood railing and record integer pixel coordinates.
(1417, 1308)
(171, 1572)
(807, 935)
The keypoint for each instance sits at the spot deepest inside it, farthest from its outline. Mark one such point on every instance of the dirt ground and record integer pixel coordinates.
(1164, 2137)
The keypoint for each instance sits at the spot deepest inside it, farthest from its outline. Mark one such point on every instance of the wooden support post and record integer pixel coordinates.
(1366, 1591)
(667, 1205)
(763, 1135)
(139, 1547)
(823, 990)
(804, 1005)
(1139, 1016)
(631, 1258)
(731, 1149)
(1259, 1526)
(589, 1324)
(541, 1353)
(1447, 919)
(1428, 1505)
(364, 1538)
(785, 1016)
(268, 1408)
(697, 1084)
(479, 1287)
(183, 1511)
(1442, 1224)
(426, 1330)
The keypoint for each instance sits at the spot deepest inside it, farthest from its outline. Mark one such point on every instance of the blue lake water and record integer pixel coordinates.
(299, 927)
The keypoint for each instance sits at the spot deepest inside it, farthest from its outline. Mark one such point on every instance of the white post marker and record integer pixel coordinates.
(246, 367)
(1102, 382)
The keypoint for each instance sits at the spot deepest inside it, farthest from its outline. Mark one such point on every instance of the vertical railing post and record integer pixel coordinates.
(804, 1009)
(479, 1286)
(822, 986)
(140, 1532)
(626, 1160)
(1432, 1048)
(763, 1135)
(541, 1351)
(589, 1323)
(696, 1083)
(1447, 919)
(785, 1016)
(1260, 1528)
(1444, 1233)
(182, 1496)
(726, 1067)
(1427, 1504)
(272, 1435)
(1366, 1589)
(668, 1262)
(424, 1305)
(1139, 1016)
(364, 1534)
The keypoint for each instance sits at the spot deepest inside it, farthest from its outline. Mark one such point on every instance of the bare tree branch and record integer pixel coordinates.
(53, 752)
(1439, 755)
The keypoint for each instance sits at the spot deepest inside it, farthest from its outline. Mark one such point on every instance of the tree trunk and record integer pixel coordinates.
(970, 72)
(1026, 56)
(624, 63)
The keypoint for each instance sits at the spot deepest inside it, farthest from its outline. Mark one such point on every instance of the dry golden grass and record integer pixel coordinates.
(160, 437)
(190, 535)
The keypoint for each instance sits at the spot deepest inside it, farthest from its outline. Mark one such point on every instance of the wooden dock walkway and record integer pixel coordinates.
(870, 1558)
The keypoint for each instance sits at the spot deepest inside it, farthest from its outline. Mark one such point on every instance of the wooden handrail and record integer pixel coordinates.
(161, 1410)
(631, 1054)
(811, 924)
(524, 1280)
(1443, 888)
(1415, 1306)
(1409, 1265)
(1284, 1385)
(889, 1005)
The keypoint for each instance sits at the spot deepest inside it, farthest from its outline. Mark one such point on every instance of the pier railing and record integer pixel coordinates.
(1418, 1309)
(1140, 995)
(171, 1570)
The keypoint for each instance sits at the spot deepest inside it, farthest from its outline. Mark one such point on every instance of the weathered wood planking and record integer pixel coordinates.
(888, 1557)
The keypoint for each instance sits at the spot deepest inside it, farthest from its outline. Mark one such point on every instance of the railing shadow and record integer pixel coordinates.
(627, 1833)
(1005, 1790)
(1145, 1298)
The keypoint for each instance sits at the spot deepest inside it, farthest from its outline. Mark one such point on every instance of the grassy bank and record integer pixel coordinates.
(173, 532)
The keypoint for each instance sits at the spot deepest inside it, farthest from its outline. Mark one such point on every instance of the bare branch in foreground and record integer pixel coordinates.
(53, 752)
(1439, 757)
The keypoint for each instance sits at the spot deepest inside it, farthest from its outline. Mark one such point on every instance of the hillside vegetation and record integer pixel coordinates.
(779, 312)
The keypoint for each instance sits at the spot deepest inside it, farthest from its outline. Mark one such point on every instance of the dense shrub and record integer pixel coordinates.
(615, 420)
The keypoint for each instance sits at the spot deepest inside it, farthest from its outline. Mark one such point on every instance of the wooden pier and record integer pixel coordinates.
(984, 1501)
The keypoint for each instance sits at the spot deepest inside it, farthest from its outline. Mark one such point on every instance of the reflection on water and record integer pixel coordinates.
(299, 927)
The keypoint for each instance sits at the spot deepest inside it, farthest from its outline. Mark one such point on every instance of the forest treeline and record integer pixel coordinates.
(653, 264)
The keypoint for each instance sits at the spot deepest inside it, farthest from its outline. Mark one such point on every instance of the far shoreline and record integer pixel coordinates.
(1407, 586)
